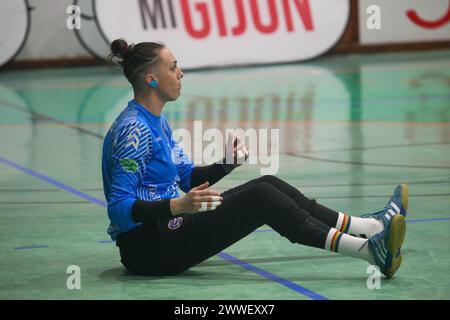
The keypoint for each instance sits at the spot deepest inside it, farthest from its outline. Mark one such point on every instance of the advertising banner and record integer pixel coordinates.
(400, 21)
(204, 33)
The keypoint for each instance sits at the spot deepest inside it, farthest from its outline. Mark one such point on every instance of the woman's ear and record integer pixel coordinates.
(148, 78)
(151, 81)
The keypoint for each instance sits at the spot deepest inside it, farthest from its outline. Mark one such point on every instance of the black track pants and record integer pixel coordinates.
(169, 247)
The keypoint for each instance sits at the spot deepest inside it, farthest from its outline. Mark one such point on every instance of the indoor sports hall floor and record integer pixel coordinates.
(350, 129)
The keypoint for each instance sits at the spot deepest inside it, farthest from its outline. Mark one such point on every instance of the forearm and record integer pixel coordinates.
(211, 173)
(151, 211)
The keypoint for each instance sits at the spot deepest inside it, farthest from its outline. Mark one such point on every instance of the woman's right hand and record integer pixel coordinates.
(198, 199)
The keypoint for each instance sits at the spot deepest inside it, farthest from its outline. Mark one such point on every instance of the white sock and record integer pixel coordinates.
(349, 246)
(366, 227)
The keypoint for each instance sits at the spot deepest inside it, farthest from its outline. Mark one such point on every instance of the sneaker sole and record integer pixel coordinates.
(395, 242)
(405, 197)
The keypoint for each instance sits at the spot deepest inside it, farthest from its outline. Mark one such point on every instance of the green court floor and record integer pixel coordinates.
(350, 129)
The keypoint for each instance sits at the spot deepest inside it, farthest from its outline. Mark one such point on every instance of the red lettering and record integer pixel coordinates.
(220, 18)
(273, 25)
(301, 6)
(203, 10)
(288, 15)
(303, 9)
(427, 24)
(242, 25)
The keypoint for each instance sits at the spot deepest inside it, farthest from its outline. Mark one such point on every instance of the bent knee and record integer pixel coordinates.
(272, 180)
(262, 190)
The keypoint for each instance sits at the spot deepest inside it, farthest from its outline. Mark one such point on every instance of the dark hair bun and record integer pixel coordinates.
(119, 48)
(135, 59)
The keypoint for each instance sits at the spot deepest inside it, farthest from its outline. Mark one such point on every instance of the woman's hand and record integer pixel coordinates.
(198, 199)
(236, 152)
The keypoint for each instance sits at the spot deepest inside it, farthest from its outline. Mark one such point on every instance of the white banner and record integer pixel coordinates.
(204, 33)
(88, 34)
(399, 21)
(14, 26)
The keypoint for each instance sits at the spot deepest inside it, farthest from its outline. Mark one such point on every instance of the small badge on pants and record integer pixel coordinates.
(175, 223)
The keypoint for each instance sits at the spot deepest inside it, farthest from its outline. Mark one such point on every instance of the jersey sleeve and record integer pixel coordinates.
(184, 164)
(130, 152)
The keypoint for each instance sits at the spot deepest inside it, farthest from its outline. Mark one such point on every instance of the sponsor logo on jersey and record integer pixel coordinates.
(129, 165)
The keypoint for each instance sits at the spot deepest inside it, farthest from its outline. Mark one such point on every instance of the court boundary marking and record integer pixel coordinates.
(315, 197)
(302, 186)
(227, 257)
(291, 285)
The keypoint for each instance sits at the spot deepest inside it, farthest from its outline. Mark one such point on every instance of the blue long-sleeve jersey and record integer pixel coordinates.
(141, 160)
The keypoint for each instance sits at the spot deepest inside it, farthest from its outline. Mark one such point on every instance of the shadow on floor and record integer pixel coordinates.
(228, 274)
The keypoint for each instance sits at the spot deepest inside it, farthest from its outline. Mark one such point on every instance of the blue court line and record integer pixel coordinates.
(271, 230)
(30, 247)
(427, 219)
(407, 220)
(223, 255)
(262, 230)
(271, 276)
(53, 182)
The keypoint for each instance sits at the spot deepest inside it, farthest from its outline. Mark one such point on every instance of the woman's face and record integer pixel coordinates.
(168, 75)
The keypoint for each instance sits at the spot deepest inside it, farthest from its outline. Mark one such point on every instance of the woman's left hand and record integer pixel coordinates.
(236, 152)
